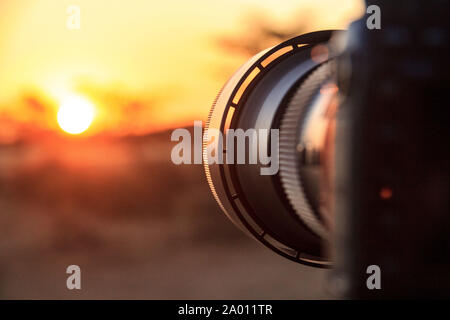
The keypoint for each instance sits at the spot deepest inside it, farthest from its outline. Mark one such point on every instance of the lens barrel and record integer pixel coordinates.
(288, 88)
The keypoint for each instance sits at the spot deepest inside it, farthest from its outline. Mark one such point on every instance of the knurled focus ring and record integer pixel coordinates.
(292, 121)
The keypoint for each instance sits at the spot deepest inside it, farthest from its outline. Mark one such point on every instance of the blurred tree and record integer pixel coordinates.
(261, 31)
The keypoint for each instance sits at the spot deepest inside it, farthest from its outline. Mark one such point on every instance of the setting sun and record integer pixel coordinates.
(75, 115)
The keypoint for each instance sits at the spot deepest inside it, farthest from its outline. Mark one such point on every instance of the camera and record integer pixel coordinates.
(357, 123)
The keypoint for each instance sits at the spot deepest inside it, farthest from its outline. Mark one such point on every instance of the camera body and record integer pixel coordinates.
(392, 169)
(359, 132)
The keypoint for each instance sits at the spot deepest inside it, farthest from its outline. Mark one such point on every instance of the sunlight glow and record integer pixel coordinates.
(75, 114)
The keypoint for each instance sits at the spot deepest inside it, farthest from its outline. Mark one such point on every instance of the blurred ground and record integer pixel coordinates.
(137, 225)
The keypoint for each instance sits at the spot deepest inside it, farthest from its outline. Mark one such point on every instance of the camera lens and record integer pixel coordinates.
(287, 93)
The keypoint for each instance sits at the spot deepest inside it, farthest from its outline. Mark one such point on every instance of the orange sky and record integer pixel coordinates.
(158, 53)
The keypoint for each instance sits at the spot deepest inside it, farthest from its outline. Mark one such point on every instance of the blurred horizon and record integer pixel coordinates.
(86, 176)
